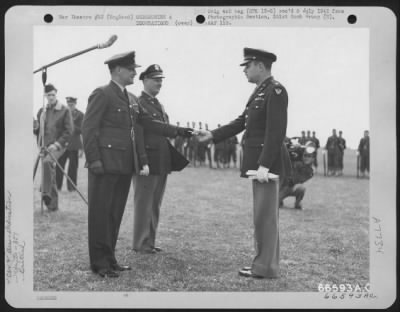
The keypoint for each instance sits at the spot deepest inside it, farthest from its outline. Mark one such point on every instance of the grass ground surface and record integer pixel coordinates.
(207, 235)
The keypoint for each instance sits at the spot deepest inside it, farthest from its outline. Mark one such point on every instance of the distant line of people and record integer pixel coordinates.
(220, 155)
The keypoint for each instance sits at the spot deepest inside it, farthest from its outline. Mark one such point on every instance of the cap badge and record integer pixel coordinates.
(156, 67)
(278, 91)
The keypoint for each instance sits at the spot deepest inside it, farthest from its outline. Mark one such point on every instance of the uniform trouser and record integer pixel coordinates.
(72, 169)
(49, 178)
(266, 228)
(364, 163)
(340, 160)
(107, 194)
(208, 153)
(149, 192)
(333, 161)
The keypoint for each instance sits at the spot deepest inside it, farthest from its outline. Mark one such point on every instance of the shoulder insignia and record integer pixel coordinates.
(278, 91)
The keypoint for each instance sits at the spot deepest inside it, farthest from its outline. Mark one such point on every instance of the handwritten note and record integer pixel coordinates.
(14, 248)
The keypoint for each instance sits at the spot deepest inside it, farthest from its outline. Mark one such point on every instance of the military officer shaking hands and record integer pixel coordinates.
(264, 121)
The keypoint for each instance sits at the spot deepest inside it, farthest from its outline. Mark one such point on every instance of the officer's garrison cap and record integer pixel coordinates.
(71, 99)
(153, 71)
(257, 54)
(124, 59)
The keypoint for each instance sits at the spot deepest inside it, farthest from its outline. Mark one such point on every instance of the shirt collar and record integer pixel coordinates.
(148, 94)
(56, 106)
(119, 85)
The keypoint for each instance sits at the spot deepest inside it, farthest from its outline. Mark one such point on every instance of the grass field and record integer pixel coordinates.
(207, 234)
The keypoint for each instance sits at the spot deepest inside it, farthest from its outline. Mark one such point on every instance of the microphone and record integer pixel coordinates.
(108, 43)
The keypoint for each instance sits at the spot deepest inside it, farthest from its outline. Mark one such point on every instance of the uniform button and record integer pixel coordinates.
(109, 145)
(119, 109)
(246, 116)
(154, 114)
(130, 106)
(256, 106)
(262, 144)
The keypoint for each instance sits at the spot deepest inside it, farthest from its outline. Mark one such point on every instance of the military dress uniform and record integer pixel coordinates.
(109, 136)
(264, 121)
(342, 147)
(72, 151)
(332, 146)
(58, 128)
(363, 149)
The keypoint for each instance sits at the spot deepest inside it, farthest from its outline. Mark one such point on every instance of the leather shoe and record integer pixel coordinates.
(249, 273)
(118, 267)
(107, 273)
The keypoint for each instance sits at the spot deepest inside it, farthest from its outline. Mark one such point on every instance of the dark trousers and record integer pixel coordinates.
(364, 163)
(72, 169)
(107, 194)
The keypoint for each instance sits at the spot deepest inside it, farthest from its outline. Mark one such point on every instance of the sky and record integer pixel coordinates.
(325, 71)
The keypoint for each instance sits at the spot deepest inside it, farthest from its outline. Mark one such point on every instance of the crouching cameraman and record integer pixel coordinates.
(302, 158)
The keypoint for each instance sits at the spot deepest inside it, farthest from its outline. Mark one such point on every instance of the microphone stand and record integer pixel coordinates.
(43, 149)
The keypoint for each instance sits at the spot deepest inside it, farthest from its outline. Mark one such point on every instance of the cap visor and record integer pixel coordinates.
(245, 63)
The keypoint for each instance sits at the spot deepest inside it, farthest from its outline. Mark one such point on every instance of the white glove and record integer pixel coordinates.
(262, 174)
(145, 170)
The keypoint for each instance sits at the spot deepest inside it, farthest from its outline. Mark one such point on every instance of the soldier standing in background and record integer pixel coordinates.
(73, 150)
(308, 137)
(303, 139)
(208, 150)
(363, 151)
(178, 142)
(231, 146)
(218, 152)
(193, 144)
(332, 146)
(342, 147)
(58, 127)
(316, 143)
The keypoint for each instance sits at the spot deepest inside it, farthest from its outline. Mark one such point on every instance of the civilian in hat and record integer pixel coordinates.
(58, 127)
(74, 146)
(114, 151)
(264, 121)
(149, 188)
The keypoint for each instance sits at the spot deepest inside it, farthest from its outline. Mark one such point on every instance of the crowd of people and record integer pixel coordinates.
(128, 138)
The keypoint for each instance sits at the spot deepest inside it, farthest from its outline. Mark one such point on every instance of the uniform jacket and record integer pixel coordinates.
(75, 140)
(156, 146)
(332, 144)
(264, 121)
(363, 147)
(110, 128)
(58, 124)
(341, 144)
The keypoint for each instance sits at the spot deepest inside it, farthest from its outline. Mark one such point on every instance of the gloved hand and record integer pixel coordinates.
(52, 148)
(145, 170)
(185, 132)
(96, 167)
(262, 174)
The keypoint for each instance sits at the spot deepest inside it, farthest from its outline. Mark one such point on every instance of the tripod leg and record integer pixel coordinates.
(69, 179)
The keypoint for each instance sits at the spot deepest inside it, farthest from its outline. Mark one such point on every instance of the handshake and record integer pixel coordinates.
(201, 135)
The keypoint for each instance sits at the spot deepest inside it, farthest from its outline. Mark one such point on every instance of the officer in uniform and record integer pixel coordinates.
(149, 189)
(178, 142)
(332, 146)
(363, 151)
(208, 151)
(316, 144)
(219, 152)
(113, 152)
(58, 127)
(232, 143)
(303, 139)
(342, 147)
(74, 146)
(264, 121)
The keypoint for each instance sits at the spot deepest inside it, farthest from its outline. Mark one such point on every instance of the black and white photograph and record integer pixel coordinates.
(225, 157)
